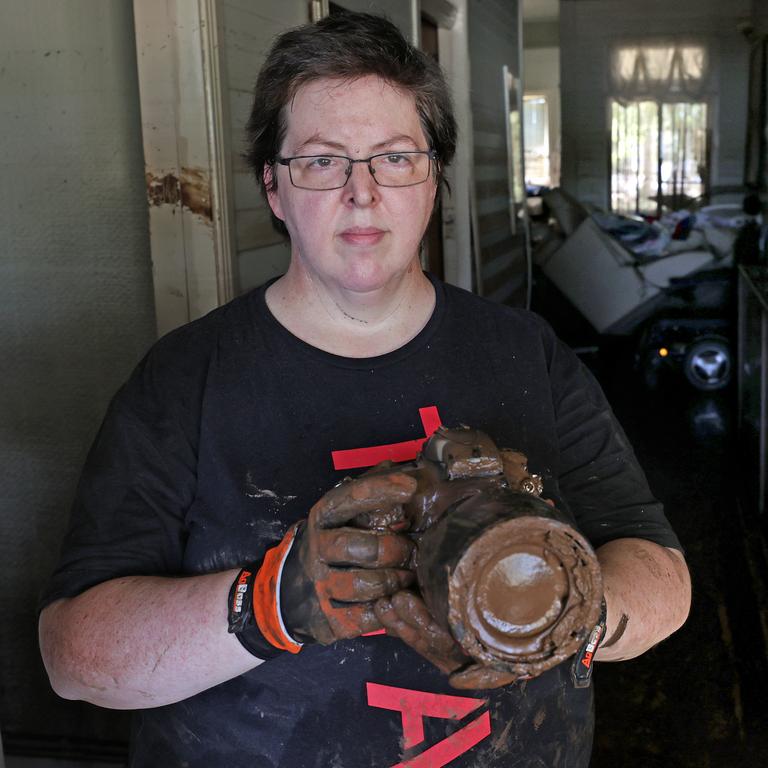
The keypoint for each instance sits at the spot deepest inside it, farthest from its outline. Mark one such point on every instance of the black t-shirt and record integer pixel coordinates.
(227, 433)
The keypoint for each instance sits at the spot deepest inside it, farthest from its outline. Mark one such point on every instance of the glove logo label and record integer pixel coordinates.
(242, 588)
(414, 706)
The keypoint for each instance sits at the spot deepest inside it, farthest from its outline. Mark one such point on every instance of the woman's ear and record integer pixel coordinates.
(270, 185)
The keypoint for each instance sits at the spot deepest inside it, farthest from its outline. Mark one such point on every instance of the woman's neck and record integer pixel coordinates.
(349, 323)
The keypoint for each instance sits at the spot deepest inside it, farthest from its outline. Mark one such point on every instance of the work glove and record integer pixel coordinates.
(405, 615)
(319, 584)
(334, 573)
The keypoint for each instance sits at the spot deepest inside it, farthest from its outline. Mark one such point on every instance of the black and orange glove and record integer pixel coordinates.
(320, 583)
(405, 615)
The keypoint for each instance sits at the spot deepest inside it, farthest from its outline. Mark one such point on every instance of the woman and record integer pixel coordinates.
(198, 549)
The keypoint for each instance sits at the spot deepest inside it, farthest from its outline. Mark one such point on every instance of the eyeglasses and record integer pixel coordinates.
(389, 169)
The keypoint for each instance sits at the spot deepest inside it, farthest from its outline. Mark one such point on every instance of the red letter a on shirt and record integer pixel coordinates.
(416, 705)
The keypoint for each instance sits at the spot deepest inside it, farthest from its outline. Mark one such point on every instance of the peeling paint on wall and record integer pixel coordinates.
(196, 192)
(162, 189)
(192, 189)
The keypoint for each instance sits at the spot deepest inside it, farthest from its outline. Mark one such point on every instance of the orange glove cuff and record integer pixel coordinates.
(266, 596)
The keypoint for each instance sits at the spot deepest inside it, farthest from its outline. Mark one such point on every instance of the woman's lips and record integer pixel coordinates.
(362, 235)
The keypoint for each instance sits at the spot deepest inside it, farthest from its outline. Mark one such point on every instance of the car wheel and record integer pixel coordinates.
(707, 364)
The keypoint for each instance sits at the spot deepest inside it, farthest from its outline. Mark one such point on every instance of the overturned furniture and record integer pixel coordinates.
(673, 301)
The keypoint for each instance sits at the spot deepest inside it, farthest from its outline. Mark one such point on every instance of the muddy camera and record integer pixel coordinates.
(501, 569)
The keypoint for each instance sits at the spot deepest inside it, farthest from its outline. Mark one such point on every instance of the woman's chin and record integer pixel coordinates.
(369, 276)
(361, 274)
(366, 280)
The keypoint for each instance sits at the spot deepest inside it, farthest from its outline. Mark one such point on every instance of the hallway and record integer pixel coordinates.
(698, 699)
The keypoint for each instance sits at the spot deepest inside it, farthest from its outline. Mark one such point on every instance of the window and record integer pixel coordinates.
(659, 155)
(536, 140)
(659, 148)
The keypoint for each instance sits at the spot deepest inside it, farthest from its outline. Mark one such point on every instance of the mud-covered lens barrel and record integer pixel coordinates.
(511, 579)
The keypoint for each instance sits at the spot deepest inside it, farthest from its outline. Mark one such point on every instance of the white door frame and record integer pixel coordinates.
(186, 156)
(459, 207)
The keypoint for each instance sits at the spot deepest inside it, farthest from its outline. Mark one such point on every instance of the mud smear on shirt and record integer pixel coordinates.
(252, 491)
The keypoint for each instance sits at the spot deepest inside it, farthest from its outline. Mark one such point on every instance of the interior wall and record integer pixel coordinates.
(249, 29)
(76, 306)
(588, 28)
(494, 40)
(760, 16)
(401, 12)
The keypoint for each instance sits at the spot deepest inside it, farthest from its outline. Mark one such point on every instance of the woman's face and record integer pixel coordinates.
(362, 236)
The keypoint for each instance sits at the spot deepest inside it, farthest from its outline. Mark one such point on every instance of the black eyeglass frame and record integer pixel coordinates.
(430, 153)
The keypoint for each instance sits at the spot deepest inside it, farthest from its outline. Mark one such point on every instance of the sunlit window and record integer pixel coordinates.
(659, 140)
(536, 140)
(659, 155)
(650, 67)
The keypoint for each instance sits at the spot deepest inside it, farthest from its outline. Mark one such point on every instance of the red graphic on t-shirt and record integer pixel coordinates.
(414, 706)
(356, 458)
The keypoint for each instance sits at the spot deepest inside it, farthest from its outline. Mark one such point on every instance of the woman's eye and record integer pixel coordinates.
(322, 163)
(397, 159)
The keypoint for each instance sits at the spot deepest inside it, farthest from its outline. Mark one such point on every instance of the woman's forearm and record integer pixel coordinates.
(142, 641)
(647, 591)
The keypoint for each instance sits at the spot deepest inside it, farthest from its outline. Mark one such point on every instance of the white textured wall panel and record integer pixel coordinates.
(494, 41)
(76, 308)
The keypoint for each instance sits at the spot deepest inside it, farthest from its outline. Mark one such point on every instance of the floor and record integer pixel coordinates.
(698, 699)
(45, 762)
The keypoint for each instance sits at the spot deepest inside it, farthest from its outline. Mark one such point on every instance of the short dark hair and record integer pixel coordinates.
(345, 45)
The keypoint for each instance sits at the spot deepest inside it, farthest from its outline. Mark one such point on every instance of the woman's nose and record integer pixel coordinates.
(361, 189)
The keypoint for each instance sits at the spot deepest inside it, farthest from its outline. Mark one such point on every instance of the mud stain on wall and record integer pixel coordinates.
(192, 189)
